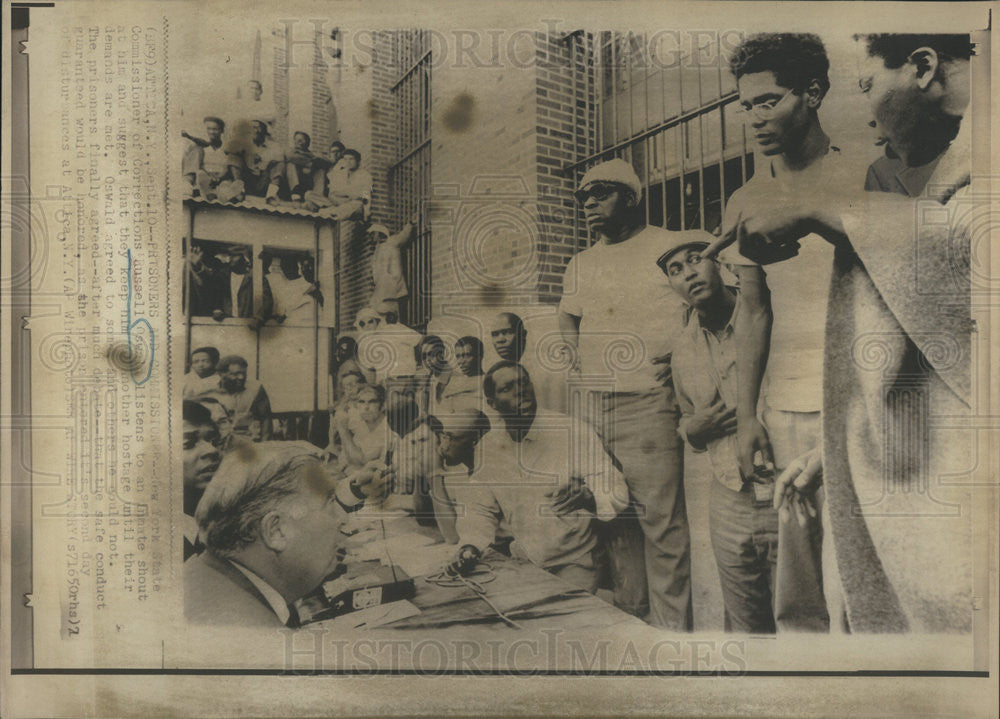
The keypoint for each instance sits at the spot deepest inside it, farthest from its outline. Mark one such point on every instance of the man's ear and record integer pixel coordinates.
(813, 95)
(925, 63)
(272, 532)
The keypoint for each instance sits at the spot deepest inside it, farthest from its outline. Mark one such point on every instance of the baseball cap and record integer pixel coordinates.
(385, 307)
(617, 170)
(364, 315)
(682, 240)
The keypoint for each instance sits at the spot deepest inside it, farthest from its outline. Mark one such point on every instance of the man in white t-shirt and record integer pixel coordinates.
(202, 377)
(387, 262)
(261, 163)
(543, 475)
(782, 80)
(209, 167)
(621, 315)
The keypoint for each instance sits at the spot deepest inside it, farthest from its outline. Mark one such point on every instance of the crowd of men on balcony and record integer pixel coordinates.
(252, 164)
(805, 426)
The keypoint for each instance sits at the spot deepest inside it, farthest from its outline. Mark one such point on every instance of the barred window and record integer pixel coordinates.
(665, 103)
(410, 175)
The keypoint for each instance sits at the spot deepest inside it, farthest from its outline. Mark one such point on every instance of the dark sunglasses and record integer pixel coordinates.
(598, 190)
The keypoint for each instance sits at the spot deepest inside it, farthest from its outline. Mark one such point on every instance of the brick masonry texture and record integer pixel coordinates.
(502, 215)
(564, 86)
(355, 254)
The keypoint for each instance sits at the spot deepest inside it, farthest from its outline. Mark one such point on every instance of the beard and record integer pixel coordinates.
(233, 385)
(918, 131)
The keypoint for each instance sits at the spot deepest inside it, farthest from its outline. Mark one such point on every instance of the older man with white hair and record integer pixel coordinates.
(618, 311)
(270, 522)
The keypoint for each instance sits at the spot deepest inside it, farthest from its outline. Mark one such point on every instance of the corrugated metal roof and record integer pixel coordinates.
(257, 204)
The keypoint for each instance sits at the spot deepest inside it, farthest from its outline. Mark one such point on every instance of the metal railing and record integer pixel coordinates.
(410, 175)
(673, 120)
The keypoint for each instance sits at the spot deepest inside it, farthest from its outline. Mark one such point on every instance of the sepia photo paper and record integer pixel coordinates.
(519, 359)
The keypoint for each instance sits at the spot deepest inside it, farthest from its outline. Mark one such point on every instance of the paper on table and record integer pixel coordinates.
(373, 616)
(421, 561)
(376, 548)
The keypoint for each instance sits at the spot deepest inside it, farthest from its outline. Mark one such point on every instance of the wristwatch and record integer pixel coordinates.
(356, 490)
(352, 492)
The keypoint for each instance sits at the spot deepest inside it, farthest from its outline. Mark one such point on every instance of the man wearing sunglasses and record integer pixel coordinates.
(620, 315)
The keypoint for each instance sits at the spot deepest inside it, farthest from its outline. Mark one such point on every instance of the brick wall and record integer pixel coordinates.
(565, 94)
(355, 253)
(485, 214)
(502, 216)
(517, 225)
(323, 111)
(382, 114)
(281, 97)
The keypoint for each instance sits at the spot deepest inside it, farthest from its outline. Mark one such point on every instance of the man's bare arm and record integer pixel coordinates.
(351, 450)
(753, 340)
(402, 238)
(569, 327)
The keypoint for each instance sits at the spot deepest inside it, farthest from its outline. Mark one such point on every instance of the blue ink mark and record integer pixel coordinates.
(130, 325)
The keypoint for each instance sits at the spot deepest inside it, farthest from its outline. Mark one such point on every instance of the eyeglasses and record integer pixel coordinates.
(673, 265)
(598, 190)
(763, 110)
(372, 322)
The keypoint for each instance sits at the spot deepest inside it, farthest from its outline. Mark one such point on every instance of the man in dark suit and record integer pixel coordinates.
(270, 521)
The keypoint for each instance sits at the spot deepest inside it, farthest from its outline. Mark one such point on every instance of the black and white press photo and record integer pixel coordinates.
(602, 345)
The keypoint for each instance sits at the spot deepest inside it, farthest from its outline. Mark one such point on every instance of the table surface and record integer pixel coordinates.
(559, 625)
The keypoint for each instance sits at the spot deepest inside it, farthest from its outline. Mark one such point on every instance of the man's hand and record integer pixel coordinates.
(768, 226)
(341, 418)
(373, 482)
(569, 357)
(770, 232)
(465, 561)
(575, 495)
(795, 488)
(664, 375)
(764, 237)
(195, 255)
(713, 422)
(751, 437)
